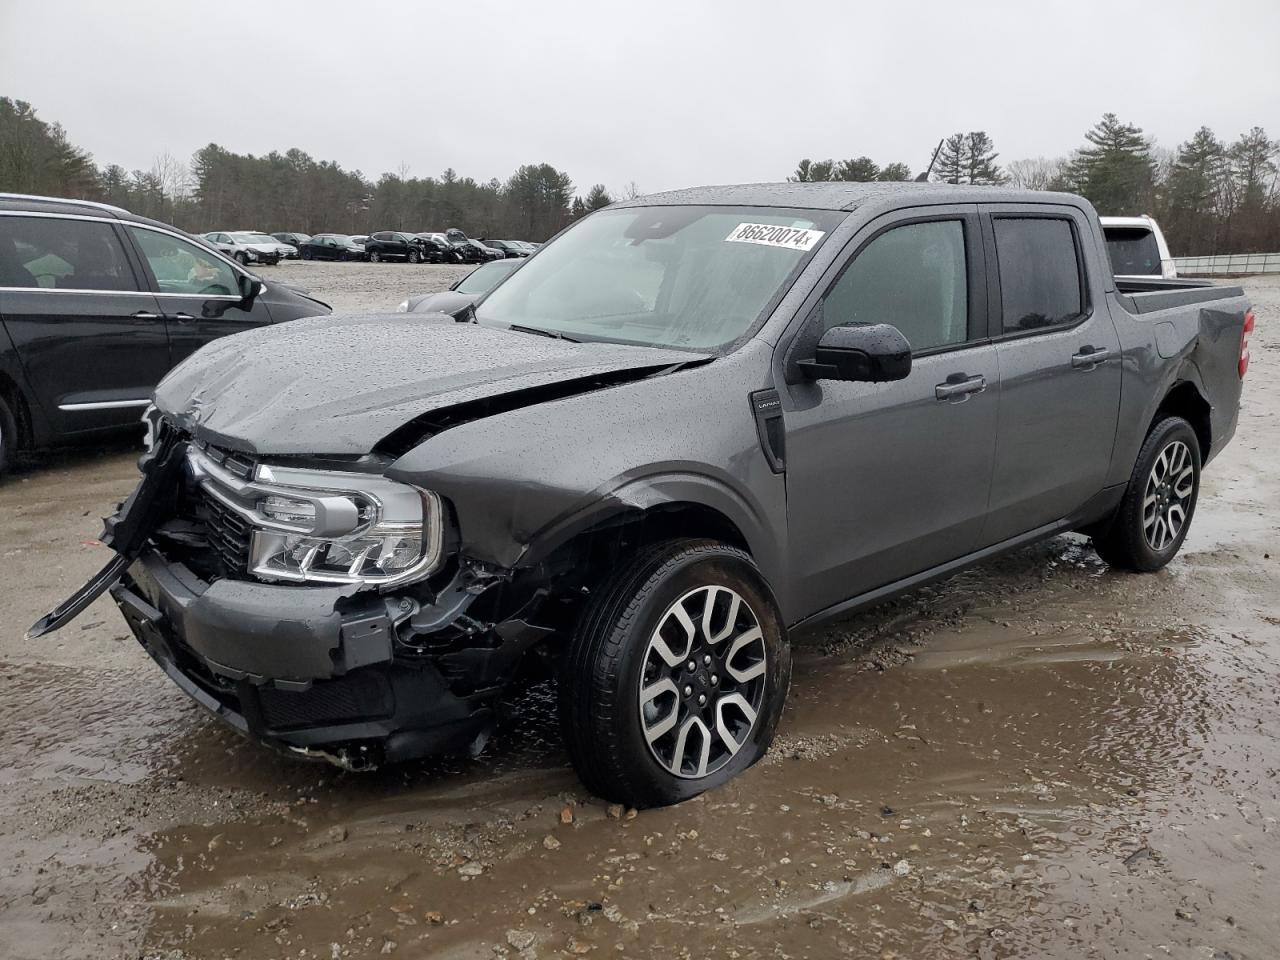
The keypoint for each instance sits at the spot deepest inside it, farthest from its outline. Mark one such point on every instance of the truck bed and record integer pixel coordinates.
(1140, 296)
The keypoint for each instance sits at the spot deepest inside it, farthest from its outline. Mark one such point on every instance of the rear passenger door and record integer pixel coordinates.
(198, 292)
(885, 480)
(1060, 366)
(90, 337)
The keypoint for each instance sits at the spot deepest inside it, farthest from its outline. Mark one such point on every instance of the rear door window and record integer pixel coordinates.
(1040, 276)
(181, 267)
(60, 254)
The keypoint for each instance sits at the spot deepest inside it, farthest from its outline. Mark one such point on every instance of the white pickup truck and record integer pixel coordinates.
(1137, 248)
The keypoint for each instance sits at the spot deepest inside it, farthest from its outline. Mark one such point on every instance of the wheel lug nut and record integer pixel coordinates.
(714, 679)
(702, 699)
(692, 666)
(706, 661)
(688, 691)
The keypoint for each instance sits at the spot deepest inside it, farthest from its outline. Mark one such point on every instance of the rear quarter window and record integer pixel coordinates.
(1040, 277)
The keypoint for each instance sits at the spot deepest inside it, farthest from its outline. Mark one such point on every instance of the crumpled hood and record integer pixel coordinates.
(337, 385)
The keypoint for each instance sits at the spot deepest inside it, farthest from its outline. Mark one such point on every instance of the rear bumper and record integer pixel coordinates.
(304, 669)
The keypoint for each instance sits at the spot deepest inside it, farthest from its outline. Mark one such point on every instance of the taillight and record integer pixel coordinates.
(1244, 342)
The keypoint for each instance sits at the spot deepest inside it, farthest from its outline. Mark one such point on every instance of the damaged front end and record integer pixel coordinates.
(322, 610)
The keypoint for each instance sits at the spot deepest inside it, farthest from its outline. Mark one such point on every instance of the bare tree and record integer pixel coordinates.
(1038, 173)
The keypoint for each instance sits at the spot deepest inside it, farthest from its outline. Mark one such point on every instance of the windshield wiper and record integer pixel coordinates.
(537, 331)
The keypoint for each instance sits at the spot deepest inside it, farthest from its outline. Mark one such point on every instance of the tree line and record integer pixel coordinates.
(223, 190)
(1209, 195)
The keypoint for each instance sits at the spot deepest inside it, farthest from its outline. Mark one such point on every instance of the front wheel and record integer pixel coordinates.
(243, 258)
(306, 254)
(415, 256)
(676, 677)
(375, 256)
(1153, 518)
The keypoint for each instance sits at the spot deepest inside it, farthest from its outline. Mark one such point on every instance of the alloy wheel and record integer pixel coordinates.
(702, 682)
(1167, 496)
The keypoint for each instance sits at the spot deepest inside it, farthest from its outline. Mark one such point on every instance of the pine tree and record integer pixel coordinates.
(980, 159)
(951, 163)
(894, 171)
(858, 170)
(598, 197)
(1116, 172)
(1193, 193)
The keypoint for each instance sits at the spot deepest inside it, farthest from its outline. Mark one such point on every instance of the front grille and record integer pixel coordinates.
(228, 534)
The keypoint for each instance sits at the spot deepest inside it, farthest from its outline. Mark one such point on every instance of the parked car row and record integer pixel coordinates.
(452, 246)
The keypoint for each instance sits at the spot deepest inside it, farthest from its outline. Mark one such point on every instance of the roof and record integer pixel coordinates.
(839, 195)
(27, 203)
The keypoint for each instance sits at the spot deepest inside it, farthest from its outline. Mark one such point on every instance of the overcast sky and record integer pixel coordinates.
(663, 94)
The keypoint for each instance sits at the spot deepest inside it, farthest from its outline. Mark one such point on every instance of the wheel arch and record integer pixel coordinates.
(659, 508)
(16, 400)
(1184, 399)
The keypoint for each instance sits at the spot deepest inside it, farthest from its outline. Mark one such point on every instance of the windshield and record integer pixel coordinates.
(256, 238)
(697, 278)
(483, 279)
(1133, 250)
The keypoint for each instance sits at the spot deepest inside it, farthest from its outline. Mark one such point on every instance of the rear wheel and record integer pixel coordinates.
(676, 677)
(1153, 518)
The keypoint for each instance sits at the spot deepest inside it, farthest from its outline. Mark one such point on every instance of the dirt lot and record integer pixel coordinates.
(1038, 758)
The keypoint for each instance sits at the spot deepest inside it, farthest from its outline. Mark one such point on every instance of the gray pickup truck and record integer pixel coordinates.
(690, 425)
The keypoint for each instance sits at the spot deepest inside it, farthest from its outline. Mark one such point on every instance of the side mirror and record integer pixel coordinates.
(250, 287)
(865, 352)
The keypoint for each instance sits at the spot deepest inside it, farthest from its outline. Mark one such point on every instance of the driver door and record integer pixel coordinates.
(198, 292)
(887, 480)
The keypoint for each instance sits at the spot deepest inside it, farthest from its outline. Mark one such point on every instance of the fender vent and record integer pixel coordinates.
(766, 406)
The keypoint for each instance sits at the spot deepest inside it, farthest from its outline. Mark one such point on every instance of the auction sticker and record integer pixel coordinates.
(771, 235)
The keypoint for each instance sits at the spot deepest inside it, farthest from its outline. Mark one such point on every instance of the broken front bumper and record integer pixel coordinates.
(302, 668)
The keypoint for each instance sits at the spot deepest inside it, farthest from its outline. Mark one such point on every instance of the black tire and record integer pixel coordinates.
(306, 253)
(8, 436)
(242, 258)
(611, 656)
(415, 256)
(375, 256)
(1134, 539)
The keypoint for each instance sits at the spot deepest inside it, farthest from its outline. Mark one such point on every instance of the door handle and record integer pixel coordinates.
(144, 315)
(958, 387)
(181, 316)
(1089, 357)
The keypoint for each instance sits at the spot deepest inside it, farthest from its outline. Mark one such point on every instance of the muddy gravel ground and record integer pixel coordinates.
(1037, 758)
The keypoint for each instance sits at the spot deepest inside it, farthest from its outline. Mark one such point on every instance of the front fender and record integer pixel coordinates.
(632, 497)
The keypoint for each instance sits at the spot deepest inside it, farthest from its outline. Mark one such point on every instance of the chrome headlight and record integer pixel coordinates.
(320, 526)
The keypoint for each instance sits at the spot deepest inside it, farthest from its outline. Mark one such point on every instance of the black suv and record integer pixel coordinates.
(96, 305)
(395, 245)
